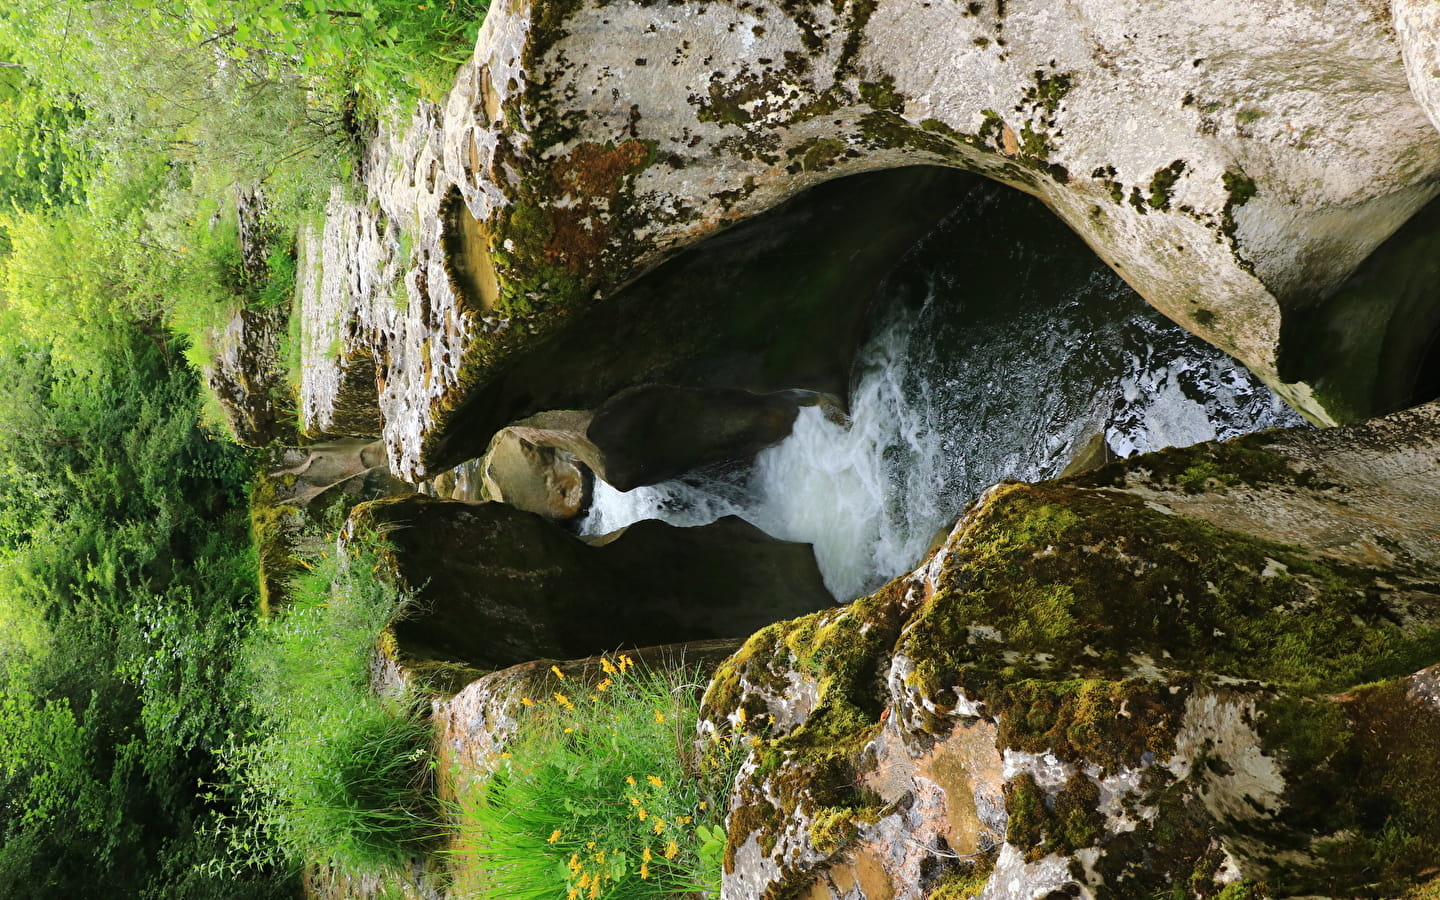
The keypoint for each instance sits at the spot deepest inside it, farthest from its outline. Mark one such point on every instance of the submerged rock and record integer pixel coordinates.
(496, 586)
(1196, 668)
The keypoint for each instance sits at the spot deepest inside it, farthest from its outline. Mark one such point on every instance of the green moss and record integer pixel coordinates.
(835, 827)
(1110, 723)
(816, 155)
(1202, 475)
(881, 95)
(1250, 114)
(1162, 184)
(274, 529)
(1028, 815)
(1203, 599)
(1241, 189)
(814, 769)
(962, 884)
(1244, 890)
(1049, 89)
(1077, 819)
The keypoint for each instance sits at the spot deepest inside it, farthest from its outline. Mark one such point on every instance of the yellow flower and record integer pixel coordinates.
(644, 870)
(574, 863)
(527, 701)
(554, 836)
(625, 661)
(558, 674)
(645, 855)
(659, 825)
(660, 717)
(563, 700)
(634, 801)
(630, 780)
(606, 666)
(568, 730)
(671, 849)
(655, 780)
(507, 755)
(604, 685)
(572, 893)
(704, 803)
(641, 813)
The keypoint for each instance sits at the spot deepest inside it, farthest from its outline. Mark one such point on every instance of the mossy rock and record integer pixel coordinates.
(1178, 703)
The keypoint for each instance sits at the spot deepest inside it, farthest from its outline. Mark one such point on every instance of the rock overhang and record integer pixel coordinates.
(1223, 159)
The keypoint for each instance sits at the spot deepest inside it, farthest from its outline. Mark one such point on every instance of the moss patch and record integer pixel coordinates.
(1192, 597)
(814, 769)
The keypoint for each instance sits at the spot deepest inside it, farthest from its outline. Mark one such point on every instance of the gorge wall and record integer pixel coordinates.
(585, 143)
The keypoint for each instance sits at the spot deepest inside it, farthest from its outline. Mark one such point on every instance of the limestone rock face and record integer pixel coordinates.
(496, 586)
(1418, 24)
(1223, 157)
(1192, 669)
(247, 379)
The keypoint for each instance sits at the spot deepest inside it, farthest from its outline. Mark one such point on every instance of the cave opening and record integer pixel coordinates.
(964, 333)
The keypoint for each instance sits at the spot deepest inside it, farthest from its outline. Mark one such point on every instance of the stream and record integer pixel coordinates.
(1000, 345)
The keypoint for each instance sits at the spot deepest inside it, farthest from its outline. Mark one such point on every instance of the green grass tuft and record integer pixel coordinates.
(602, 794)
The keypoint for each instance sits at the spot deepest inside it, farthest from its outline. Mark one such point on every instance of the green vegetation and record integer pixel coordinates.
(156, 158)
(603, 792)
(331, 771)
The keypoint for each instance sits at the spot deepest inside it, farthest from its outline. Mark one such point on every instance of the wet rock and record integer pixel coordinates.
(496, 586)
(1189, 670)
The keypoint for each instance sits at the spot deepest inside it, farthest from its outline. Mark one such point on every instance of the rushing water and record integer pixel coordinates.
(1004, 345)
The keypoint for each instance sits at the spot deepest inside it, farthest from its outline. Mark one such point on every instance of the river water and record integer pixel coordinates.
(1001, 345)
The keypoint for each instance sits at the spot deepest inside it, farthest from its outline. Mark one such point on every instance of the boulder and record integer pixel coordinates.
(641, 436)
(1199, 672)
(1226, 165)
(496, 586)
(535, 477)
(248, 380)
(474, 725)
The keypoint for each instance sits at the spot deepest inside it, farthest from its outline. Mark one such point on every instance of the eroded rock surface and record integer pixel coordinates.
(1262, 150)
(1197, 668)
(496, 586)
(247, 377)
(1418, 24)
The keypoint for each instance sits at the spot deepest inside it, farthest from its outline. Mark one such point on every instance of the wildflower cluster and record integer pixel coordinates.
(599, 795)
